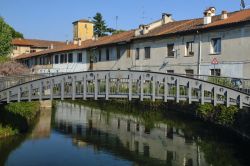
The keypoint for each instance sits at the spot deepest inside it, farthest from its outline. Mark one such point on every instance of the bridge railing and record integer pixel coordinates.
(239, 84)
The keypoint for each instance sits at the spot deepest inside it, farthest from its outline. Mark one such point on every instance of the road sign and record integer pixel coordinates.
(215, 61)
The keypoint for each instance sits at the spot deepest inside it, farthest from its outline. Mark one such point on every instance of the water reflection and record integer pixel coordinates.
(162, 144)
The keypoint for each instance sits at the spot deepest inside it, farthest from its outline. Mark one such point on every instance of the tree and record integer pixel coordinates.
(7, 33)
(100, 28)
(6, 37)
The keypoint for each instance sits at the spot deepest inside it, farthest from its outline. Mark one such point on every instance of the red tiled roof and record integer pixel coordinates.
(183, 26)
(36, 43)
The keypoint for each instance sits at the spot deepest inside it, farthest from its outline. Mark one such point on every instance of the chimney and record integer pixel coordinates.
(166, 18)
(79, 42)
(208, 14)
(224, 15)
(145, 29)
(67, 42)
(51, 46)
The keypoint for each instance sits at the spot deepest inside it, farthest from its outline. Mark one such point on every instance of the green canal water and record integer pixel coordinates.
(78, 134)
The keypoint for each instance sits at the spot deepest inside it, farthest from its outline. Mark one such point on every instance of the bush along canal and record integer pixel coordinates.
(17, 118)
(131, 133)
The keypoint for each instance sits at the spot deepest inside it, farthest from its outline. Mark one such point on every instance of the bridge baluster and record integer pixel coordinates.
(165, 89)
(215, 96)
(240, 101)
(8, 96)
(177, 84)
(227, 98)
(84, 80)
(73, 88)
(107, 87)
(130, 87)
(18, 94)
(40, 90)
(189, 92)
(62, 88)
(29, 92)
(141, 81)
(202, 93)
(153, 88)
(96, 87)
(51, 89)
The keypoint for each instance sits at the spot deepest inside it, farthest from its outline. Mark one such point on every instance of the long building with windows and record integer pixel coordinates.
(216, 44)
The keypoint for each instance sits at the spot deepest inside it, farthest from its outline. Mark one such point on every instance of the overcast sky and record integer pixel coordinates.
(52, 19)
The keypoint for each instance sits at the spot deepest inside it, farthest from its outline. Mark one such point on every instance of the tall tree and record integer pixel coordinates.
(100, 28)
(6, 37)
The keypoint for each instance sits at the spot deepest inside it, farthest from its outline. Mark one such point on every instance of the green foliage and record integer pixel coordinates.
(117, 31)
(100, 27)
(220, 114)
(221, 81)
(27, 110)
(4, 59)
(7, 33)
(6, 131)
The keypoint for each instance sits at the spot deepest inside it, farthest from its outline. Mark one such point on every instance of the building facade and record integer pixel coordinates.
(185, 47)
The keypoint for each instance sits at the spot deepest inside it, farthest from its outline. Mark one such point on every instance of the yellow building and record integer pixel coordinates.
(82, 30)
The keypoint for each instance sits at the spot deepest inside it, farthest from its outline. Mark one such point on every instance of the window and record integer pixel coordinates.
(31, 51)
(137, 53)
(70, 57)
(56, 59)
(170, 71)
(79, 57)
(189, 48)
(147, 52)
(118, 52)
(170, 50)
(65, 58)
(100, 54)
(215, 72)
(62, 58)
(189, 72)
(216, 45)
(107, 54)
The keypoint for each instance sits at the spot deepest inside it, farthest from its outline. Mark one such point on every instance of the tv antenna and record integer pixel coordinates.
(242, 4)
(116, 22)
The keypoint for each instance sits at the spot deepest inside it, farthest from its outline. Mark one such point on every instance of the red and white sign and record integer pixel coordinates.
(215, 61)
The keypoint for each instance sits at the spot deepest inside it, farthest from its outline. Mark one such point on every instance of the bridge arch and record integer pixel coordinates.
(128, 84)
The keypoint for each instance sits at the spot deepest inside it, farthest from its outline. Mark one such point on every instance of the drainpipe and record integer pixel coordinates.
(199, 53)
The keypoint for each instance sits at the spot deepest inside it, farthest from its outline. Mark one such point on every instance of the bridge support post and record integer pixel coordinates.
(202, 93)
(141, 83)
(189, 92)
(107, 87)
(51, 89)
(130, 87)
(73, 88)
(177, 84)
(96, 87)
(62, 89)
(18, 94)
(40, 90)
(215, 96)
(227, 99)
(240, 101)
(29, 92)
(84, 82)
(153, 88)
(165, 89)
(8, 96)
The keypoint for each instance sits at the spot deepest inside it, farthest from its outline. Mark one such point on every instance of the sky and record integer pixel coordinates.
(52, 19)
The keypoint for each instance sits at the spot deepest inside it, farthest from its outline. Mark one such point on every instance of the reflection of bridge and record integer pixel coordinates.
(125, 84)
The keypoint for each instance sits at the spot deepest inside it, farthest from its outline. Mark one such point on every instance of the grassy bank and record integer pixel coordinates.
(17, 118)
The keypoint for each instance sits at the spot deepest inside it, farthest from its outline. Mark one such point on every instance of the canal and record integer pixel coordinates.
(81, 134)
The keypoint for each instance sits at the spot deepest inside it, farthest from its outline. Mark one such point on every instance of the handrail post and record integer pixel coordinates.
(130, 87)
(8, 96)
(62, 89)
(96, 87)
(202, 93)
(227, 98)
(18, 95)
(107, 86)
(141, 82)
(73, 84)
(177, 84)
(153, 88)
(189, 92)
(29, 92)
(84, 80)
(51, 89)
(215, 96)
(165, 89)
(40, 90)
